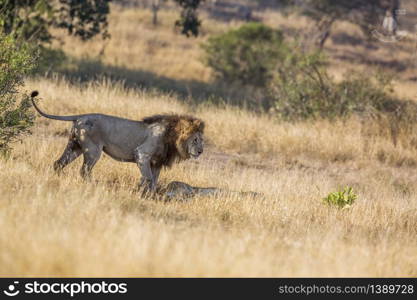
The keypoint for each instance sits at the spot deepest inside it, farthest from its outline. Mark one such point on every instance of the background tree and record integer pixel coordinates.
(189, 21)
(365, 13)
(33, 19)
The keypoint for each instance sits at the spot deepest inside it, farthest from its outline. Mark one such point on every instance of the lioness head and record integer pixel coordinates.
(195, 144)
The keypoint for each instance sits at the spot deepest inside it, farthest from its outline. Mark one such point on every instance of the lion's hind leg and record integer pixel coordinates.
(91, 153)
(71, 152)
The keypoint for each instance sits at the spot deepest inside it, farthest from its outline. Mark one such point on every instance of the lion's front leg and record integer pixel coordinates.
(143, 160)
(155, 172)
(147, 179)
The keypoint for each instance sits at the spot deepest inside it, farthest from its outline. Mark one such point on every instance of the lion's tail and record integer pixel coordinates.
(54, 117)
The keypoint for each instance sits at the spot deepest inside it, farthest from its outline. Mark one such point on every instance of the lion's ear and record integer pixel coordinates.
(198, 124)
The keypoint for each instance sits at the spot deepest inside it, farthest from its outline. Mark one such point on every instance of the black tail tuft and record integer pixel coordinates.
(34, 94)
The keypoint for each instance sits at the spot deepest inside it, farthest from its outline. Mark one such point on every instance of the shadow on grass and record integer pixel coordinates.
(86, 70)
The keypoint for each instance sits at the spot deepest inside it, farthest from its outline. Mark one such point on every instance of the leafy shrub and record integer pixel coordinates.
(295, 85)
(246, 55)
(341, 199)
(16, 60)
(302, 89)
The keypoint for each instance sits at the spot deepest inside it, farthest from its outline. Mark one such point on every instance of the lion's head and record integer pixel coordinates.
(195, 145)
(183, 135)
(189, 132)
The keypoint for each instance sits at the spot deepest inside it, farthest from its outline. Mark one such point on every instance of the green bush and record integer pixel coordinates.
(341, 199)
(246, 55)
(16, 60)
(289, 82)
(302, 89)
(295, 85)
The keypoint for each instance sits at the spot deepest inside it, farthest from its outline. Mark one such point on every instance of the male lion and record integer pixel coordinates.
(152, 143)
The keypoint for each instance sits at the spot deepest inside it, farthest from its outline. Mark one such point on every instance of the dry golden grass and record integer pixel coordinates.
(136, 44)
(61, 226)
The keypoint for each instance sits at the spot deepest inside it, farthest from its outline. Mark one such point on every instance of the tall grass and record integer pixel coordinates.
(62, 226)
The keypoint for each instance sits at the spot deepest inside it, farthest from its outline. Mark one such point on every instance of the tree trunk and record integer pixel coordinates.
(155, 8)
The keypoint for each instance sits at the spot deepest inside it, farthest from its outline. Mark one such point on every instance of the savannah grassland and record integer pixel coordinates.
(61, 226)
